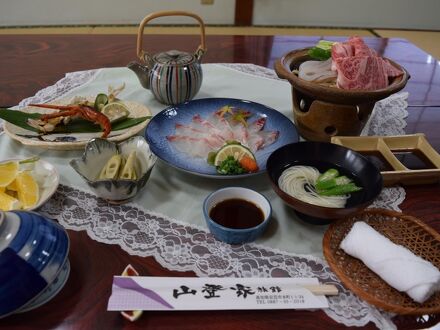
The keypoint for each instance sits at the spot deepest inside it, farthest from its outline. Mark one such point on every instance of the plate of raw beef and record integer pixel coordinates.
(183, 135)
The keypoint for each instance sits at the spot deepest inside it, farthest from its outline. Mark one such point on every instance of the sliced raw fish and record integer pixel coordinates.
(203, 124)
(241, 134)
(197, 147)
(201, 136)
(255, 142)
(223, 125)
(257, 125)
(269, 137)
(190, 130)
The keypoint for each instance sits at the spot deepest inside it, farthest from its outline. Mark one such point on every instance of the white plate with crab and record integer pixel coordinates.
(72, 141)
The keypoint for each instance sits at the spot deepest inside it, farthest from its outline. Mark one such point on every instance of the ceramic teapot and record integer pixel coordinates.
(173, 76)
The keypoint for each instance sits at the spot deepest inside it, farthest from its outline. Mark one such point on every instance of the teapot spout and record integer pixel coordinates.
(142, 72)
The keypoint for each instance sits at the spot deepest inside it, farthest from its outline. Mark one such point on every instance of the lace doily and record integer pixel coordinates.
(70, 81)
(182, 247)
(178, 246)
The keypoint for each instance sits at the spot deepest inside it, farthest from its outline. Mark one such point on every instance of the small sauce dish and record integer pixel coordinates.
(236, 215)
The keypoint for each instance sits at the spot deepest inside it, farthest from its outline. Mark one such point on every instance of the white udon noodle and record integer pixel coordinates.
(293, 181)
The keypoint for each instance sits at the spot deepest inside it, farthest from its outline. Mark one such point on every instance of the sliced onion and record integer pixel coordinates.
(317, 71)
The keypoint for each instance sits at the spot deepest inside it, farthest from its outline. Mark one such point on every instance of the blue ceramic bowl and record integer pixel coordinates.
(230, 235)
(33, 251)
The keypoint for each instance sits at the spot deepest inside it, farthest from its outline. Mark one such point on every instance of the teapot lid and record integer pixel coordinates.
(174, 57)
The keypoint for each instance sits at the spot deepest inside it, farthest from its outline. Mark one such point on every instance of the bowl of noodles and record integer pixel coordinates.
(297, 172)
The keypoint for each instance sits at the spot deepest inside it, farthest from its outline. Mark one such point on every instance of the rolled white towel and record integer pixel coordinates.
(395, 264)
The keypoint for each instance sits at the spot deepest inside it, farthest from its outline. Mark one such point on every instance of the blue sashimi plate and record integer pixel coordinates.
(163, 124)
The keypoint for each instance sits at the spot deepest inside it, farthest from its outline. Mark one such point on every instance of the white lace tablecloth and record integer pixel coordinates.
(176, 236)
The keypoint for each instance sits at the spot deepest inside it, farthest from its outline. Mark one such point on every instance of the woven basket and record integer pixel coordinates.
(401, 229)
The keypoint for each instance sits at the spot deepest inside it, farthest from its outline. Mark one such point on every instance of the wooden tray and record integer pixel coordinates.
(402, 229)
(404, 159)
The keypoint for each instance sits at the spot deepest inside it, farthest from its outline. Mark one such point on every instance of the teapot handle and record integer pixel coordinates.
(143, 55)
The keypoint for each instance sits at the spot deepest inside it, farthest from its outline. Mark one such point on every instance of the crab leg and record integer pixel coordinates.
(54, 106)
(85, 112)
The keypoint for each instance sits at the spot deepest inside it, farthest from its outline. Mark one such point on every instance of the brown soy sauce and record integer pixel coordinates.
(237, 213)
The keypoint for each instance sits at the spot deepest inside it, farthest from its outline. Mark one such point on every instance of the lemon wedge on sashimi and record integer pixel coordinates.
(8, 203)
(236, 150)
(27, 189)
(8, 172)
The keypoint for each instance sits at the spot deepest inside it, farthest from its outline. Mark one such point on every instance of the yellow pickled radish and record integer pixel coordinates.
(8, 203)
(27, 189)
(8, 172)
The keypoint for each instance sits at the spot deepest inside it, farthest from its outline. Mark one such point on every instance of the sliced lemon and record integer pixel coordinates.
(115, 111)
(235, 150)
(8, 203)
(12, 186)
(27, 189)
(8, 172)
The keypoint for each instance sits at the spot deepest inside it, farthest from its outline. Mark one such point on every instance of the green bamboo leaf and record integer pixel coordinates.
(129, 122)
(19, 118)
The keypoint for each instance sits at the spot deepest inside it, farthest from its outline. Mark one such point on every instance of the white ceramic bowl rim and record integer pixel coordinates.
(263, 204)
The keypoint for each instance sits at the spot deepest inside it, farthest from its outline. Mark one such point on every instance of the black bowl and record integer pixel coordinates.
(323, 155)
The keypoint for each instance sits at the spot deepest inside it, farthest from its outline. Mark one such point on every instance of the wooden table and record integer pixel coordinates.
(32, 62)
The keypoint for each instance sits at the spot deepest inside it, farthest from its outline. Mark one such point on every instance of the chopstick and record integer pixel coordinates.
(423, 105)
(322, 289)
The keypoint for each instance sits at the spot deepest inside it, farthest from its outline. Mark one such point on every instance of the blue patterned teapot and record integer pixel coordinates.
(173, 77)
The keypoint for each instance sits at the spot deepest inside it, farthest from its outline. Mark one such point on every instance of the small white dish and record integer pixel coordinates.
(47, 178)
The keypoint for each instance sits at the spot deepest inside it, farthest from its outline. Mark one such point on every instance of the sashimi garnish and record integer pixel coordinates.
(241, 116)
